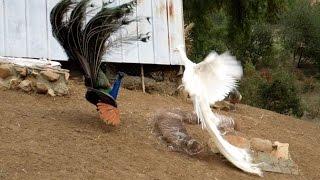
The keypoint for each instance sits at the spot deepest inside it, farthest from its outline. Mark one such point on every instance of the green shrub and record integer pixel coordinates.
(277, 94)
(250, 84)
(281, 95)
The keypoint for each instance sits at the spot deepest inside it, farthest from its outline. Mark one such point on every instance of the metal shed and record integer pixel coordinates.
(25, 31)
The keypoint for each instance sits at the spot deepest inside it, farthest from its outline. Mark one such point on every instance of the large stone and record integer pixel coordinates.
(281, 150)
(22, 71)
(25, 85)
(50, 75)
(14, 83)
(223, 105)
(238, 141)
(66, 76)
(60, 88)
(41, 88)
(51, 92)
(5, 70)
(262, 145)
(34, 73)
(212, 146)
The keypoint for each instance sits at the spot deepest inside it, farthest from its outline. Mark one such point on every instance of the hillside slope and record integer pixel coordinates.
(61, 138)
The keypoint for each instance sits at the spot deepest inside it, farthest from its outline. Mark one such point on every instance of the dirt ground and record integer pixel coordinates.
(43, 137)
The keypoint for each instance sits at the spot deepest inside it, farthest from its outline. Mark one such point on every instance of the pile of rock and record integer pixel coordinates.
(274, 156)
(43, 80)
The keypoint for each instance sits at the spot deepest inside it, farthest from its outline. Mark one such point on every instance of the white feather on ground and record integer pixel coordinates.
(208, 82)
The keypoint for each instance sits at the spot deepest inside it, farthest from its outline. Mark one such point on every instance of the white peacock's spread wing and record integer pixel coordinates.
(208, 82)
(217, 76)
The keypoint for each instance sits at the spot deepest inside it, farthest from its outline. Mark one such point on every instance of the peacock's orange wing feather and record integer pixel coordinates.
(109, 113)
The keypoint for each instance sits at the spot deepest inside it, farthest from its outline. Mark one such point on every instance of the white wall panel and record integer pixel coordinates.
(160, 32)
(145, 49)
(55, 51)
(36, 34)
(15, 28)
(2, 28)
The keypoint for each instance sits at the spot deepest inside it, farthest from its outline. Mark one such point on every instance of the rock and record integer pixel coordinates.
(272, 164)
(34, 73)
(41, 88)
(25, 85)
(234, 96)
(281, 150)
(14, 83)
(262, 145)
(238, 141)
(50, 75)
(51, 92)
(226, 124)
(60, 88)
(169, 127)
(66, 76)
(22, 71)
(212, 146)
(157, 75)
(223, 105)
(5, 71)
(152, 86)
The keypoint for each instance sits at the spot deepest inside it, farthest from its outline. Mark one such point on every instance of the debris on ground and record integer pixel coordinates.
(272, 157)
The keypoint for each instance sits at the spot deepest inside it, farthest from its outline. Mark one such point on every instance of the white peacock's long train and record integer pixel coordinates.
(208, 82)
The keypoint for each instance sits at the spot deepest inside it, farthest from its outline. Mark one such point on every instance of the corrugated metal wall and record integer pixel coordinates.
(25, 31)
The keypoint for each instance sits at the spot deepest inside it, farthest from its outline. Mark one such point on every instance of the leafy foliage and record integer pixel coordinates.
(274, 90)
(281, 95)
(300, 31)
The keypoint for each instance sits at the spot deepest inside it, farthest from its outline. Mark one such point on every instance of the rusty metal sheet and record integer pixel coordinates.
(176, 30)
(160, 32)
(145, 49)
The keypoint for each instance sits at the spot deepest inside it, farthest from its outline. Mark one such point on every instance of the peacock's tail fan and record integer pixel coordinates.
(83, 42)
(109, 113)
(98, 31)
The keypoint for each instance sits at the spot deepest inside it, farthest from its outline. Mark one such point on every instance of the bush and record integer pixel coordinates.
(250, 84)
(278, 93)
(281, 95)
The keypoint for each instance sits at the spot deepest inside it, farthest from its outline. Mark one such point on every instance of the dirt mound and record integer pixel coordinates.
(62, 138)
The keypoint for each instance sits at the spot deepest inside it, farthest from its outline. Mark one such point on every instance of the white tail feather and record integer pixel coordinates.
(239, 157)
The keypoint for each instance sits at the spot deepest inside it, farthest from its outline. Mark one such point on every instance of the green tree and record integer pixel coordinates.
(300, 31)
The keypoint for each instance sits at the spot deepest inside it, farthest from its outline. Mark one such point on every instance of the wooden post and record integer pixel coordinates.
(142, 79)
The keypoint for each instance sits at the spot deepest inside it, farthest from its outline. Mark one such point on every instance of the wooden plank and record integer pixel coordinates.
(55, 51)
(115, 53)
(36, 29)
(15, 29)
(160, 32)
(145, 49)
(176, 30)
(130, 48)
(2, 29)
